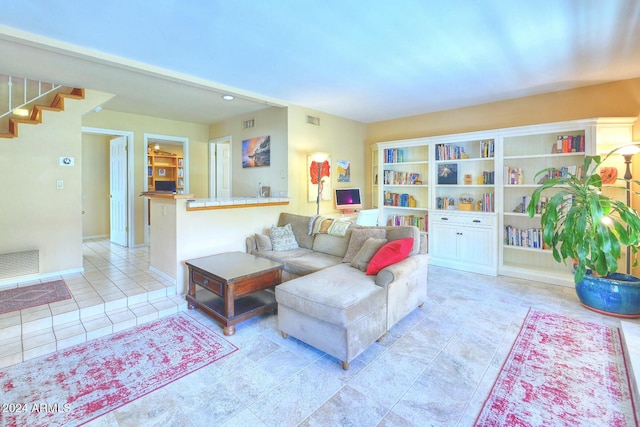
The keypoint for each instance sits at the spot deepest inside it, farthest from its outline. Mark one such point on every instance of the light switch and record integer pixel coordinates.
(59, 184)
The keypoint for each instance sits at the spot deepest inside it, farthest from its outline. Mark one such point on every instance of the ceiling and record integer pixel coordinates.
(364, 60)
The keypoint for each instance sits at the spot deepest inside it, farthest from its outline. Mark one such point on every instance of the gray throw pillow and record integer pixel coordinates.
(283, 239)
(364, 255)
(263, 243)
(358, 237)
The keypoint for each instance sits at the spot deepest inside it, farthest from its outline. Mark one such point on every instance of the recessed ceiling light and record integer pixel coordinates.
(228, 97)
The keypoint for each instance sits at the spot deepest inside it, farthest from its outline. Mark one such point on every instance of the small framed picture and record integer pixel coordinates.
(162, 172)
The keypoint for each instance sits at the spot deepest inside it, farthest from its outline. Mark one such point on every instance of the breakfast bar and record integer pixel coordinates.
(184, 228)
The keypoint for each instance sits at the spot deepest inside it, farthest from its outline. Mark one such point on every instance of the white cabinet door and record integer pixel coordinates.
(444, 241)
(476, 246)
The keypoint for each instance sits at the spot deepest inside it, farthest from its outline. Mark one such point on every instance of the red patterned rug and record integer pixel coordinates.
(75, 385)
(562, 372)
(15, 299)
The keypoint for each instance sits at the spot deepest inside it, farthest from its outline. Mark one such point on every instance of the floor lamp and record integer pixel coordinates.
(318, 159)
(628, 151)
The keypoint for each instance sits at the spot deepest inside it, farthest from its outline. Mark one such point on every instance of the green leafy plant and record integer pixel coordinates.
(582, 224)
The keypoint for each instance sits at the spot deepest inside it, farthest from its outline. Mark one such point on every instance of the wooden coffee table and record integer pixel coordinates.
(233, 287)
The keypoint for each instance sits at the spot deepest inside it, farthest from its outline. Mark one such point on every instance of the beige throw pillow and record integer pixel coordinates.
(364, 255)
(263, 242)
(283, 239)
(358, 237)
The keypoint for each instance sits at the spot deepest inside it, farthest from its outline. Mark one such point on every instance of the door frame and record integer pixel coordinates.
(130, 182)
(213, 165)
(185, 159)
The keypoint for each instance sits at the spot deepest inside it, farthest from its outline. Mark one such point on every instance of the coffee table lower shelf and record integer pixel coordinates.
(244, 308)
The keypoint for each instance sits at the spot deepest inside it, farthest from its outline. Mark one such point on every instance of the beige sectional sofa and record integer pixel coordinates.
(327, 300)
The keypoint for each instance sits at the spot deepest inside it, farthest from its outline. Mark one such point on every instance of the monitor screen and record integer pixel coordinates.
(348, 198)
(166, 186)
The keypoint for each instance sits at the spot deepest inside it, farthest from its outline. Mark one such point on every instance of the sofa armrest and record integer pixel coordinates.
(405, 267)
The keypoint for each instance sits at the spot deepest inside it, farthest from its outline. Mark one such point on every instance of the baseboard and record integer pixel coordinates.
(38, 277)
(98, 237)
(164, 275)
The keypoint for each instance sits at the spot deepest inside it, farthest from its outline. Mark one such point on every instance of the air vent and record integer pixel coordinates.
(249, 123)
(312, 120)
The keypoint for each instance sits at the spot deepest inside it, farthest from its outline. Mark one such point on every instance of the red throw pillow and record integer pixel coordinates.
(390, 253)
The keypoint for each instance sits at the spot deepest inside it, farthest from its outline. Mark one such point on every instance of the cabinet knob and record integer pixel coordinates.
(206, 281)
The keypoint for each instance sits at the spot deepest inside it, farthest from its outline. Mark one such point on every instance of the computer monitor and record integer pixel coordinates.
(348, 199)
(166, 186)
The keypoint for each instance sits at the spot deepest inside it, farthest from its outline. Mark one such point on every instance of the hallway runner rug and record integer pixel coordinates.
(78, 384)
(562, 372)
(15, 299)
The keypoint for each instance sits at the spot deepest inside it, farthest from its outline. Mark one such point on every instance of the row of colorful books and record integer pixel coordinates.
(522, 207)
(524, 238)
(570, 144)
(401, 178)
(487, 148)
(513, 176)
(397, 199)
(393, 155)
(487, 202)
(419, 221)
(488, 177)
(449, 152)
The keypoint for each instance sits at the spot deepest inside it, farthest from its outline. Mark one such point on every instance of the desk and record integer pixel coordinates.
(233, 287)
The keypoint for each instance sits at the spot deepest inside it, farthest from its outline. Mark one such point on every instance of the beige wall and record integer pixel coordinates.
(33, 213)
(138, 124)
(344, 139)
(95, 185)
(272, 122)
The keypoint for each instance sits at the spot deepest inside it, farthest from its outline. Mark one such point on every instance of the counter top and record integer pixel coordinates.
(166, 195)
(234, 202)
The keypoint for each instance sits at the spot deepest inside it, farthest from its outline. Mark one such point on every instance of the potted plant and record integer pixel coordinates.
(583, 225)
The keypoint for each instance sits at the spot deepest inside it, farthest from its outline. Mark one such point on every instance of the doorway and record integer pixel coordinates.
(166, 168)
(120, 177)
(220, 168)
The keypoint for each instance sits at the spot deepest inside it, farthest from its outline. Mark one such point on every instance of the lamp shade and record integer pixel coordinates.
(629, 149)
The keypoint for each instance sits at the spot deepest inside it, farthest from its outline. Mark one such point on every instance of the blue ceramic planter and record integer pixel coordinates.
(617, 294)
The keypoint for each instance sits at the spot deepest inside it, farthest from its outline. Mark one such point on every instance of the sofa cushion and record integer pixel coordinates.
(397, 233)
(281, 256)
(332, 245)
(283, 239)
(338, 295)
(389, 254)
(263, 243)
(357, 239)
(366, 252)
(300, 227)
(310, 263)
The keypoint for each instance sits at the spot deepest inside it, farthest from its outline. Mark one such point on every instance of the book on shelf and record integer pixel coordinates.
(420, 221)
(393, 155)
(524, 238)
(487, 148)
(392, 177)
(569, 144)
(450, 152)
(402, 200)
(513, 176)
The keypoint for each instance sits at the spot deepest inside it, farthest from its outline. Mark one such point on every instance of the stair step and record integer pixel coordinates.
(36, 115)
(32, 333)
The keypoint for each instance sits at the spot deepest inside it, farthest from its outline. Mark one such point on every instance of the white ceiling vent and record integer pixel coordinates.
(249, 123)
(312, 120)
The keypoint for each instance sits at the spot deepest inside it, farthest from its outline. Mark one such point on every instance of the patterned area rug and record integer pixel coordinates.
(562, 372)
(15, 299)
(76, 385)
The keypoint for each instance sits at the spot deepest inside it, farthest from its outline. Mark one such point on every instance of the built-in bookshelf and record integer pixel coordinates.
(166, 168)
(401, 182)
(473, 189)
(465, 172)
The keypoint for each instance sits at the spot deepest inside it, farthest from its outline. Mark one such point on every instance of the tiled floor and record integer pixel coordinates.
(116, 291)
(434, 368)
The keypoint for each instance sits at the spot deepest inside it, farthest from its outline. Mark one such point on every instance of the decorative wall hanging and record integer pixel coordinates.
(256, 152)
(344, 171)
(319, 172)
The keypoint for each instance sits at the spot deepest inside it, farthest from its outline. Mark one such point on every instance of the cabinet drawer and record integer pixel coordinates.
(457, 219)
(206, 282)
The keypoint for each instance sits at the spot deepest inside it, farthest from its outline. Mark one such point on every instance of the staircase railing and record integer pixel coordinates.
(32, 90)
